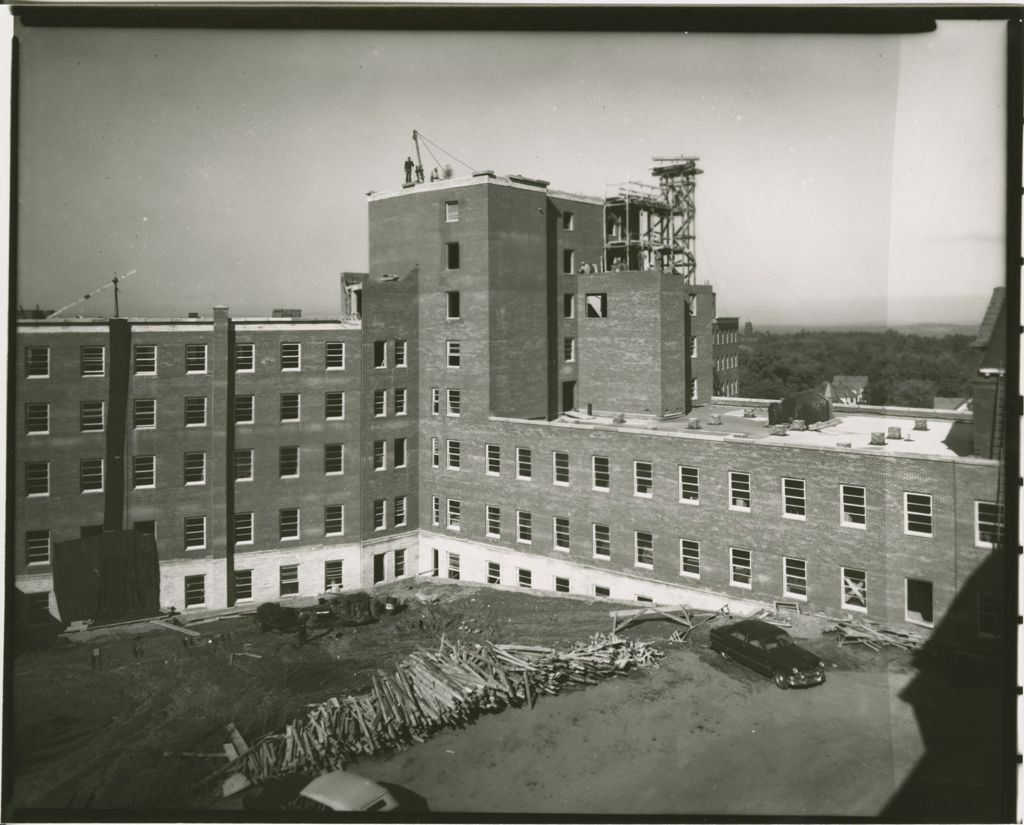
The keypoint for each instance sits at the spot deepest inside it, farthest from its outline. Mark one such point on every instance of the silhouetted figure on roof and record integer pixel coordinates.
(409, 166)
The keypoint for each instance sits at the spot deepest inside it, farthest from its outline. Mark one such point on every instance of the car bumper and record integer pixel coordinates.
(805, 679)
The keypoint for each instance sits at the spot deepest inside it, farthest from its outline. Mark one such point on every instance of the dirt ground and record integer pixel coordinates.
(699, 735)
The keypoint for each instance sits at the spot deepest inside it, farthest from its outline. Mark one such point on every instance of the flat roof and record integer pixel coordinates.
(482, 179)
(945, 437)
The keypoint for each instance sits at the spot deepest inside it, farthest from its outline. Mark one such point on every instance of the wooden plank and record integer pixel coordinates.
(170, 626)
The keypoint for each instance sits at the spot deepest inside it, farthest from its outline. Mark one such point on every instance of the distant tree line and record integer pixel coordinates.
(903, 370)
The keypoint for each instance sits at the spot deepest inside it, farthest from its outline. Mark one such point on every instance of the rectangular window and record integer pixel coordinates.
(334, 405)
(568, 305)
(602, 473)
(493, 460)
(493, 521)
(401, 400)
(290, 406)
(454, 455)
(561, 584)
(399, 452)
(646, 599)
(643, 479)
(37, 478)
(399, 562)
(454, 353)
(689, 558)
(692, 385)
(493, 572)
(602, 541)
(380, 455)
(195, 532)
(245, 357)
(195, 591)
(560, 468)
(454, 403)
(568, 261)
(334, 355)
(288, 581)
(567, 220)
(855, 589)
(435, 401)
(37, 547)
(243, 528)
(288, 462)
(288, 523)
(195, 358)
(37, 418)
(919, 602)
(380, 354)
(91, 416)
(693, 305)
(524, 527)
(334, 519)
(795, 578)
(917, 514)
(454, 514)
(451, 211)
(37, 362)
(380, 514)
(399, 510)
(739, 568)
(525, 578)
(243, 585)
(854, 511)
(435, 511)
(143, 471)
(693, 346)
(435, 452)
(334, 459)
(195, 468)
(569, 349)
(454, 566)
(689, 485)
(644, 544)
(195, 411)
(144, 413)
(562, 533)
(380, 403)
(451, 255)
(739, 491)
(524, 463)
(794, 500)
(94, 361)
(243, 465)
(245, 409)
(291, 356)
(597, 304)
(400, 349)
(990, 615)
(601, 591)
(144, 357)
(90, 475)
(988, 523)
(453, 306)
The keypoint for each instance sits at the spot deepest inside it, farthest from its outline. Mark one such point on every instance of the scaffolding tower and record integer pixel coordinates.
(653, 227)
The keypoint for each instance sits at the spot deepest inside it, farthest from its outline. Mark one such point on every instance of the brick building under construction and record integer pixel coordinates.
(528, 388)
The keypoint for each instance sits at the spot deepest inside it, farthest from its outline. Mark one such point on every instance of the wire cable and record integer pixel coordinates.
(442, 149)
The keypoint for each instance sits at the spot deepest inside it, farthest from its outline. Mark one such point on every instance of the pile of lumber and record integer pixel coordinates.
(431, 690)
(874, 635)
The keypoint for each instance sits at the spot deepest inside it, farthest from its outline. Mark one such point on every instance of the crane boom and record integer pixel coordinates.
(416, 143)
(96, 291)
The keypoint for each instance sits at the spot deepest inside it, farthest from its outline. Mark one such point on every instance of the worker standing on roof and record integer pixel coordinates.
(419, 173)
(409, 166)
(433, 175)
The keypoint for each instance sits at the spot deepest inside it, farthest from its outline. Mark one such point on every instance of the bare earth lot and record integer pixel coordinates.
(697, 736)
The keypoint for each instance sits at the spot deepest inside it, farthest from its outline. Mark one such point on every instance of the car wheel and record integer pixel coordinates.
(780, 680)
(724, 654)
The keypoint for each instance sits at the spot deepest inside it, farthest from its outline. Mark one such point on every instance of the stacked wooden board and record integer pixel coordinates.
(874, 635)
(431, 690)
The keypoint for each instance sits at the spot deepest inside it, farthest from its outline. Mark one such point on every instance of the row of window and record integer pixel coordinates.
(725, 336)
(93, 358)
(380, 353)
(730, 389)
(726, 362)
(453, 401)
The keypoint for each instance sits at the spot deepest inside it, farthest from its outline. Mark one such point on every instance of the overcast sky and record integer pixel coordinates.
(847, 179)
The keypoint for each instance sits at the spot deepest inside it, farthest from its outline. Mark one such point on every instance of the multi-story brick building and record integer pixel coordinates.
(726, 350)
(483, 409)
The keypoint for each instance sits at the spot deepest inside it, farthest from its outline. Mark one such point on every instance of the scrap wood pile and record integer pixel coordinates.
(874, 635)
(433, 690)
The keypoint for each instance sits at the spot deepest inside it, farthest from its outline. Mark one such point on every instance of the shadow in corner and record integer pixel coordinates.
(33, 628)
(960, 439)
(963, 700)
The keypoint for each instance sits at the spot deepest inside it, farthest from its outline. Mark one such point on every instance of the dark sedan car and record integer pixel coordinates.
(769, 650)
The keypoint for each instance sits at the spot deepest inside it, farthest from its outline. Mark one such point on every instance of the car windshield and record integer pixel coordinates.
(777, 641)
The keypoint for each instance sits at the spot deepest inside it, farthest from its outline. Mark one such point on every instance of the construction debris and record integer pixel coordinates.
(874, 635)
(170, 626)
(690, 620)
(429, 691)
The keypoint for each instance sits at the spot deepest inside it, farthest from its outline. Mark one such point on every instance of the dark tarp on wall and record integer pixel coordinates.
(112, 575)
(808, 405)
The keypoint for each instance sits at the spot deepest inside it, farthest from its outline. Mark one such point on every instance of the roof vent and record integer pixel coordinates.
(877, 439)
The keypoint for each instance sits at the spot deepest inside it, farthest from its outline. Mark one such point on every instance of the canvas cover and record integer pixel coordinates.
(808, 405)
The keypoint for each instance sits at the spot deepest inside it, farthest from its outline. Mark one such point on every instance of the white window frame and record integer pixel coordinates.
(435, 511)
(638, 480)
(298, 407)
(341, 458)
(524, 459)
(336, 517)
(205, 411)
(493, 521)
(201, 520)
(594, 473)
(559, 587)
(493, 572)
(451, 211)
(493, 453)
(435, 452)
(91, 371)
(454, 407)
(996, 524)
(448, 305)
(380, 363)
(34, 540)
(82, 475)
(251, 458)
(453, 454)
(37, 418)
(334, 399)
(249, 357)
(555, 468)
(524, 577)
(194, 353)
(190, 594)
(380, 455)
(401, 401)
(794, 499)
(37, 354)
(288, 575)
(848, 588)
(684, 483)
(252, 409)
(243, 584)
(454, 514)
(298, 461)
(401, 348)
(453, 354)
(848, 508)
(560, 531)
(594, 541)
(400, 456)
(244, 524)
(291, 356)
(735, 486)
(337, 354)
(144, 472)
(186, 468)
(907, 515)
(399, 509)
(380, 514)
(140, 359)
(791, 578)
(689, 553)
(45, 465)
(88, 420)
(736, 567)
(380, 403)
(569, 349)
(911, 618)
(524, 526)
(636, 549)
